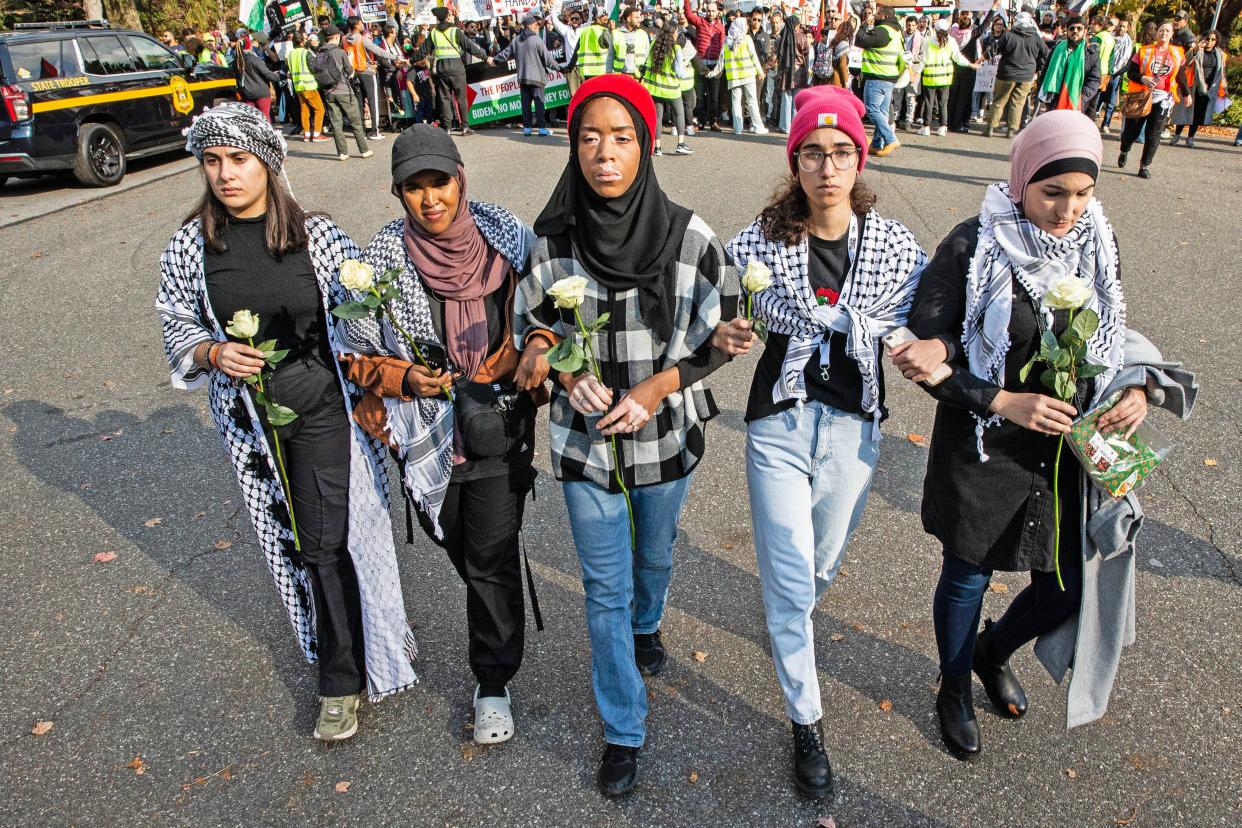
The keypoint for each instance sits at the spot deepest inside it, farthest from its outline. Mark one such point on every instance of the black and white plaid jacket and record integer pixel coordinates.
(670, 445)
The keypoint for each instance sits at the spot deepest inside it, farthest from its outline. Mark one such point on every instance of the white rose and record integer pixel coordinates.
(243, 325)
(357, 276)
(1069, 293)
(757, 277)
(568, 292)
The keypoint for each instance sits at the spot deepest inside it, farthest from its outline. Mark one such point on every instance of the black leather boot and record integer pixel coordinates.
(956, 710)
(812, 770)
(999, 680)
(618, 770)
(649, 653)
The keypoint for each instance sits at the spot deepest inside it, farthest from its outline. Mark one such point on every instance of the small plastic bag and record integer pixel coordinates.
(1116, 464)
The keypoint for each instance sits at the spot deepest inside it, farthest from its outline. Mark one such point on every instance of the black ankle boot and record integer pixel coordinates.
(956, 710)
(649, 653)
(618, 770)
(812, 770)
(999, 680)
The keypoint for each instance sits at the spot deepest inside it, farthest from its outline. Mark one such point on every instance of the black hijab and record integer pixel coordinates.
(631, 241)
(787, 52)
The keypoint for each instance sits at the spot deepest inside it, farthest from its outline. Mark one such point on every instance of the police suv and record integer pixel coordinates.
(83, 96)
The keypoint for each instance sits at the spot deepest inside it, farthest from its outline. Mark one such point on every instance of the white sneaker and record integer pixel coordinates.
(943, 131)
(925, 131)
(760, 130)
(1104, 130)
(343, 157)
(493, 718)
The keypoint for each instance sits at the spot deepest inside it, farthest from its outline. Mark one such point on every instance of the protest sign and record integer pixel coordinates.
(985, 75)
(493, 93)
(373, 12)
(503, 8)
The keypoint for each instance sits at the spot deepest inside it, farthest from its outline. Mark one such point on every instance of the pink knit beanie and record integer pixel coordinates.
(826, 106)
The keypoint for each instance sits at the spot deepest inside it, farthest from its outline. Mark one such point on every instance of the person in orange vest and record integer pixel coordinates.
(1154, 67)
(362, 51)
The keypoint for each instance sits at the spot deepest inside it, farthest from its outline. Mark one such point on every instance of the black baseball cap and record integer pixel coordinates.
(1182, 15)
(423, 147)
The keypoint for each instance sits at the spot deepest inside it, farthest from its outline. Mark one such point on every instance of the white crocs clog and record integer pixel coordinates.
(493, 718)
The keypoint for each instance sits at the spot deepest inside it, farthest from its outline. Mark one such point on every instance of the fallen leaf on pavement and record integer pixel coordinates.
(728, 546)
(998, 588)
(1071, 773)
(105, 557)
(856, 627)
(838, 637)
(137, 766)
(41, 728)
(886, 705)
(694, 777)
(222, 544)
(1225, 711)
(1209, 461)
(651, 695)
(917, 439)
(166, 431)
(151, 523)
(699, 656)
(342, 787)
(109, 384)
(826, 822)
(467, 751)
(200, 515)
(1127, 820)
(38, 254)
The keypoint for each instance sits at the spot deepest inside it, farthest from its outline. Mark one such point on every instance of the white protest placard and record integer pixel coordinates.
(504, 8)
(373, 12)
(985, 75)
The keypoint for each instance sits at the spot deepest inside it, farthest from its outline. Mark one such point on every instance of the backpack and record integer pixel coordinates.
(823, 65)
(327, 69)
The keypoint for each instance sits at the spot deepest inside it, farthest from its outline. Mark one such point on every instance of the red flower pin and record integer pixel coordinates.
(827, 296)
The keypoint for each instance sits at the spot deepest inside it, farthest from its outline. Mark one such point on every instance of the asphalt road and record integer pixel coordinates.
(177, 694)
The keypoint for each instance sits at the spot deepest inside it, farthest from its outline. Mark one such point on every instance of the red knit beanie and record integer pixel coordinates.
(624, 87)
(826, 106)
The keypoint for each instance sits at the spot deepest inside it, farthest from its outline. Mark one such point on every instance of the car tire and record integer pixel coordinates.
(4, 179)
(100, 160)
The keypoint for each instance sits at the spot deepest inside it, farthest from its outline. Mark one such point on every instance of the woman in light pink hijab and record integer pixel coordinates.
(991, 492)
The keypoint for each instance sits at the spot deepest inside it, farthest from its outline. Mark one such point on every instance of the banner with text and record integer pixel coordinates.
(493, 94)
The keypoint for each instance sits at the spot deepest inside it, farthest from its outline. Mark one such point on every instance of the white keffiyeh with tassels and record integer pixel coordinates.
(876, 296)
(1010, 249)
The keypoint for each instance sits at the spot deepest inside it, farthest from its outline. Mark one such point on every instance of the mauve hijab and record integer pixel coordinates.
(1059, 135)
(461, 268)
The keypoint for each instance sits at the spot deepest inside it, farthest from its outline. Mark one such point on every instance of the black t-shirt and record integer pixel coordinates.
(840, 385)
(283, 292)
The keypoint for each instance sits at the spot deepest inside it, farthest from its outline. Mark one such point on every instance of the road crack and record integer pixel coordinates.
(1225, 560)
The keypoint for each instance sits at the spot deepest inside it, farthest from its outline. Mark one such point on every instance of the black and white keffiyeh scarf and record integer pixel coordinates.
(886, 262)
(1011, 248)
(232, 124)
(421, 429)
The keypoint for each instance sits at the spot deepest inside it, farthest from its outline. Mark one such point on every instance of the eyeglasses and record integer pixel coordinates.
(813, 160)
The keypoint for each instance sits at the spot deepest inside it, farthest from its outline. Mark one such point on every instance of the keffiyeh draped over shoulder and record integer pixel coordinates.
(885, 264)
(422, 429)
(1011, 249)
(187, 319)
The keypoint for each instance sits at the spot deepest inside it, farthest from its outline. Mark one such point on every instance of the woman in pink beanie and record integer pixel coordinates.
(998, 284)
(827, 277)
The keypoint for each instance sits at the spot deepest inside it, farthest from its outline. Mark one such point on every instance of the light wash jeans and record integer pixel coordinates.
(743, 95)
(625, 591)
(787, 110)
(770, 99)
(878, 98)
(809, 472)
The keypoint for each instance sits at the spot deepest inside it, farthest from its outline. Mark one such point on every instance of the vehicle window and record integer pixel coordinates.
(152, 55)
(39, 61)
(104, 55)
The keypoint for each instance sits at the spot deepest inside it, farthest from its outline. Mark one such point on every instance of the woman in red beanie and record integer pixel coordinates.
(611, 244)
(840, 277)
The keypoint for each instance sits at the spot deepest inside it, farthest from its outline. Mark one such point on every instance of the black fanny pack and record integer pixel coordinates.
(494, 419)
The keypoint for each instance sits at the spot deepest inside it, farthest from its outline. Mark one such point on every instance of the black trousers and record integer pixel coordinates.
(316, 452)
(450, 90)
(1199, 115)
(1131, 128)
(532, 106)
(961, 98)
(709, 97)
(481, 520)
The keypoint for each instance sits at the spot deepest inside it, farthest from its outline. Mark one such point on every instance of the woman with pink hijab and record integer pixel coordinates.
(983, 306)
(451, 395)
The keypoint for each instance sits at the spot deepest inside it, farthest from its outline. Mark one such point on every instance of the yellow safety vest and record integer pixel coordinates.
(299, 70)
(620, 42)
(737, 62)
(592, 56)
(886, 61)
(938, 68)
(662, 83)
(446, 44)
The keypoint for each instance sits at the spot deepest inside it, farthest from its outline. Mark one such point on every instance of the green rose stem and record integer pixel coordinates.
(1056, 471)
(280, 462)
(409, 339)
(616, 457)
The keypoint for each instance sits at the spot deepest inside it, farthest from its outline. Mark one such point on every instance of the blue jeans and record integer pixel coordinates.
(1111, 94)
(787, 110)
(625, 590)
(808, 472)
(878, 98)
(1037, 609)
(769, 98)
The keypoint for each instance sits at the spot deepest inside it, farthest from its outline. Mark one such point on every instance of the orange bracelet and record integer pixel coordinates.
(213, 350)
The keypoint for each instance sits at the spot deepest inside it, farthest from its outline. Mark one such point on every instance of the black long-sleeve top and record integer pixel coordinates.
(997, 514)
